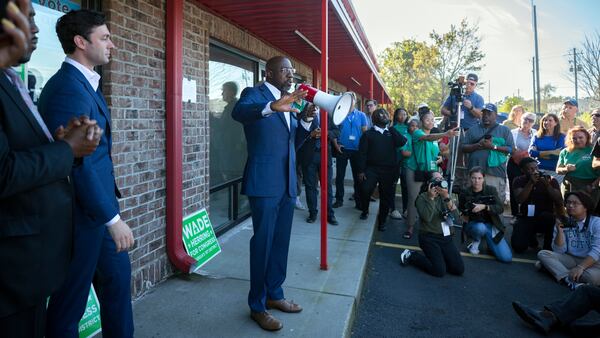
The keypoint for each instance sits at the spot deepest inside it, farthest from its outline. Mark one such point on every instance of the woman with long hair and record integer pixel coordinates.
(404, 152)
(424, 159)
(547, 144)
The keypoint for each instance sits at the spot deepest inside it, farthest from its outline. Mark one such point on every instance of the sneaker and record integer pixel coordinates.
(299, 204)
(364, 215)
(473, 247)
(396, 214)
(404, 256)
(338, 204)
(538, 265)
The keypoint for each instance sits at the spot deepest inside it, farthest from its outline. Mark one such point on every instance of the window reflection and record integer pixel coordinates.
(229, 75)
(48, 56)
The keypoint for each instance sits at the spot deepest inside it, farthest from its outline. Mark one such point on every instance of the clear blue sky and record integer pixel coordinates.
(506, 28)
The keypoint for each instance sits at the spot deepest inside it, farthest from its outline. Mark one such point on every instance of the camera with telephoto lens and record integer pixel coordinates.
(540, 174)
(566, 221)
(438, 183)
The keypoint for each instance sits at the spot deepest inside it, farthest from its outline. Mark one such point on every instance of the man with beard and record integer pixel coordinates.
(270, 183)
(489, 144)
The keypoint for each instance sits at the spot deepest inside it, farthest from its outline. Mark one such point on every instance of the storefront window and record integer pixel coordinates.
(48, 56)
(229, 74)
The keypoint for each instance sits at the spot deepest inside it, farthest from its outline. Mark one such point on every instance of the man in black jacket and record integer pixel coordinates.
(378, 164)
(35, 202)
(308, 155)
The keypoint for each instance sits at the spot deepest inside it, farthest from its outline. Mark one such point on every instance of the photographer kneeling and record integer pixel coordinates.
(539, 199)
(481, 207)
(437, 212)
(576, 246)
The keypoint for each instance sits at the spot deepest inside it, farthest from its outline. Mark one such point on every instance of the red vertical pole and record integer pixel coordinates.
(371, 92)
(174, 132)
(382, 97)
(324, 141)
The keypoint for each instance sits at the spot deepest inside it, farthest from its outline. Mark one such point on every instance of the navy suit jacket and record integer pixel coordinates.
(271, 165)
(67, 94)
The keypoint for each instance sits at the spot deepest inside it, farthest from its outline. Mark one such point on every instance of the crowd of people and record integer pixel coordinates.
(549, 174)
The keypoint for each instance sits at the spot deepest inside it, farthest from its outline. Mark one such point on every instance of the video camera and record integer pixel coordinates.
(457, 90)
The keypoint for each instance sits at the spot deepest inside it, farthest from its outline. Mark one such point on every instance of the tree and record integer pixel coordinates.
(407, 70)
(458, 52)
(509, 102)
(589, 59)
(547, 91)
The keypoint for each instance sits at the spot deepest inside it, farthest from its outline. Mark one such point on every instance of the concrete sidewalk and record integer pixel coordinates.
(214, 302)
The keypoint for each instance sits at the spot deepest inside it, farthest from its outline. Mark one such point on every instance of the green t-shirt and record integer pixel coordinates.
(403, 130)
(424, 153)
(582, 159)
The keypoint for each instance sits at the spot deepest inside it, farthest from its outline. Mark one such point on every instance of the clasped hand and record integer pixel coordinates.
(82, 134)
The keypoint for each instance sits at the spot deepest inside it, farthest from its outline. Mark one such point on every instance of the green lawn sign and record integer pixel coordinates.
(199, 238)
(90, 324)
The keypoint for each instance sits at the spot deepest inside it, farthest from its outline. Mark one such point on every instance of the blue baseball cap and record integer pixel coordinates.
(490, 107)
(572, 102)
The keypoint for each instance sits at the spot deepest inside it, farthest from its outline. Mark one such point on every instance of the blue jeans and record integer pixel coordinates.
(478, 230)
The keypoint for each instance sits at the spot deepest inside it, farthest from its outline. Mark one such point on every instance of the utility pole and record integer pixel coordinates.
(574, 69)
(533, 76)
(537, 60)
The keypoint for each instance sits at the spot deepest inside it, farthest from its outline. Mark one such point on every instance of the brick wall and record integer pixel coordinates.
(134, 86)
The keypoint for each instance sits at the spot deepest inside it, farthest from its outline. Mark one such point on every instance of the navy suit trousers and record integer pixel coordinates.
(272, 223)
(95, 258)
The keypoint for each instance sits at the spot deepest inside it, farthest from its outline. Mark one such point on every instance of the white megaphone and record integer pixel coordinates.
(337, 106)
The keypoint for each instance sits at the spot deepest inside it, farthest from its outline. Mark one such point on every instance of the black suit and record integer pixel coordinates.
(35, 207)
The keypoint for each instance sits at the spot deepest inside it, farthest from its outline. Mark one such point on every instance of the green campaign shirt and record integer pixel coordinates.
(424, 153)
(582, 159)
(403, 130)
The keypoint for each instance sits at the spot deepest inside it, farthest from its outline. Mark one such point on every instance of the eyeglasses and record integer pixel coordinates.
(573, 203)
(471, 83)
(285, 70)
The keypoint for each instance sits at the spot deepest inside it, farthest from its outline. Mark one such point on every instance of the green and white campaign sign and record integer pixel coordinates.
(90, 324)
(199, 238)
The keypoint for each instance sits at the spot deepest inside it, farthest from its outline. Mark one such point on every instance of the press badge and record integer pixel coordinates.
(530, 210)
(445, 228)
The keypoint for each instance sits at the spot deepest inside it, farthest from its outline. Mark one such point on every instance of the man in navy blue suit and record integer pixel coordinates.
(270, 184)
(102, 238)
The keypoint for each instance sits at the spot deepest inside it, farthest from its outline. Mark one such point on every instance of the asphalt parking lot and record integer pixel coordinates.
(400, 301)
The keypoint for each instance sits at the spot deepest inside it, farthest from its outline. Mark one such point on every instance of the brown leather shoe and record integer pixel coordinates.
(284, 305)
(266, 321)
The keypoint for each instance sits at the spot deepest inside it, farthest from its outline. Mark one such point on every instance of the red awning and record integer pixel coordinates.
(288, 24)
